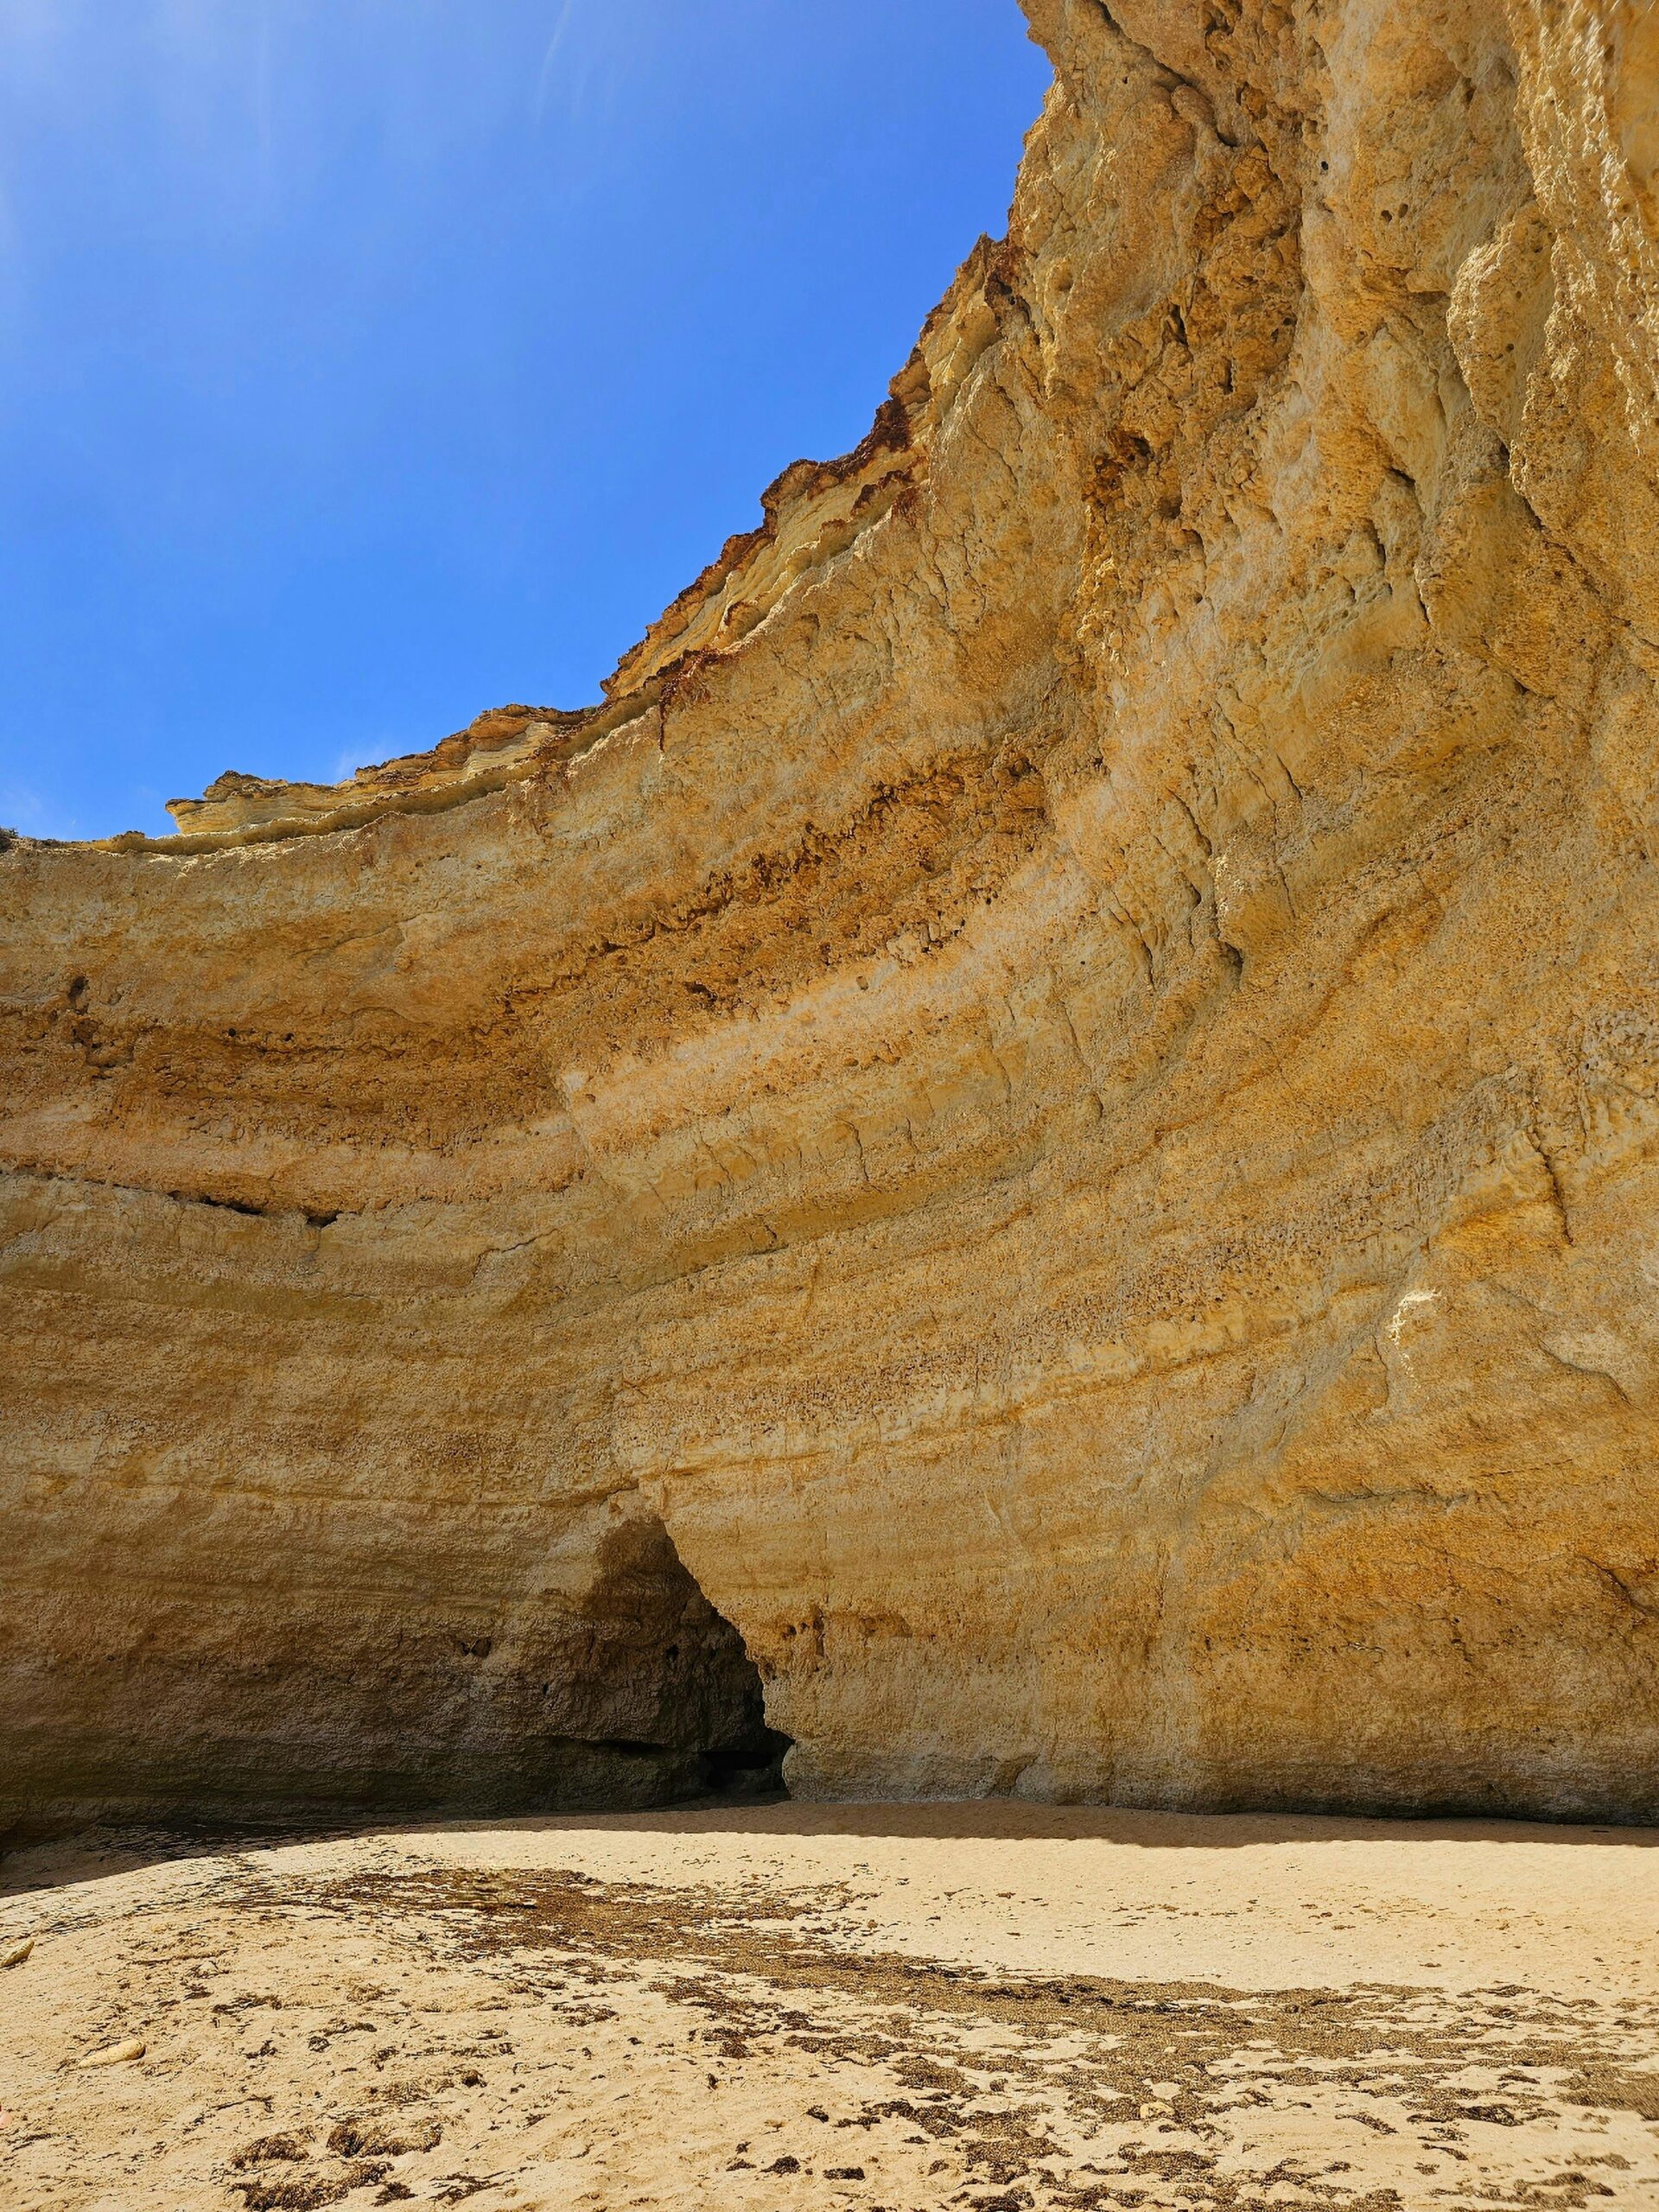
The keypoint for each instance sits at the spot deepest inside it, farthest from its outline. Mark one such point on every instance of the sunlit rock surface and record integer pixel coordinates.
(1063, 1082)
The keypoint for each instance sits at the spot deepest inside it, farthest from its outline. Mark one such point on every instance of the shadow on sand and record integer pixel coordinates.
(103, 1852)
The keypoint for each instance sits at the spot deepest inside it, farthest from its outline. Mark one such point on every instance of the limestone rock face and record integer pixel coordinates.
(1063, 1084)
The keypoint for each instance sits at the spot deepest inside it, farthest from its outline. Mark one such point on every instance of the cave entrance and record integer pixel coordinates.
(681, 1692)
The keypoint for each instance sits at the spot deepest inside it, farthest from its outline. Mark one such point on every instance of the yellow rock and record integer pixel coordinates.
(115, 2053)
(1052, 1110)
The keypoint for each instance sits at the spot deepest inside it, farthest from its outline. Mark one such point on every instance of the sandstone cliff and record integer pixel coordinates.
(1062, 1086)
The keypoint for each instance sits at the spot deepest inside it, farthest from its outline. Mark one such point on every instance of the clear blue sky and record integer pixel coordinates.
(367, 363)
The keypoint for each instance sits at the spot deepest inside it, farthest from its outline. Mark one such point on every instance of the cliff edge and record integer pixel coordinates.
(1051, 1115)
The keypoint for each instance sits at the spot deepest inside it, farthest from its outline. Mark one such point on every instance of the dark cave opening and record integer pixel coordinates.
(682, 1696)
(631, 1694)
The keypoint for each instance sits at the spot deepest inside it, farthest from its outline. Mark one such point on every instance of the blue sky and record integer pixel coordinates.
(367, 363)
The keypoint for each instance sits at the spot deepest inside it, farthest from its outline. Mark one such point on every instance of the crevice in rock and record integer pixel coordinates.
(671, 1674)
(636, 1695)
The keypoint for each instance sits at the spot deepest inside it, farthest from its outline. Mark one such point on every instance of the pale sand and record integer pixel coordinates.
(988, 2005)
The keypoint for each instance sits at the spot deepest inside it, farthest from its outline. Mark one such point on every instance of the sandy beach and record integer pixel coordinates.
(994, 2006)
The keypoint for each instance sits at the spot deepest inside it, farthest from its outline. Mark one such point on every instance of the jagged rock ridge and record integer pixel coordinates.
(1064, 1082)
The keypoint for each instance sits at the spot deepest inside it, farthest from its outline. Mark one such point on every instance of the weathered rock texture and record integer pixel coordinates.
(1065, 1082)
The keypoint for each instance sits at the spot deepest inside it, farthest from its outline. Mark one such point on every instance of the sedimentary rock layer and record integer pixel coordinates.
(1064, 1082)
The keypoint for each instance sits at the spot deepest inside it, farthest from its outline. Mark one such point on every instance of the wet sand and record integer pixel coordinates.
(996, 2006)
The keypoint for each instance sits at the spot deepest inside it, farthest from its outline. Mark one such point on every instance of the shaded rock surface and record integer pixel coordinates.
(1063, 1082)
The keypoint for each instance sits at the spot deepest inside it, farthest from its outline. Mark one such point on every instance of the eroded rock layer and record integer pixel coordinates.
(1064, 1081)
